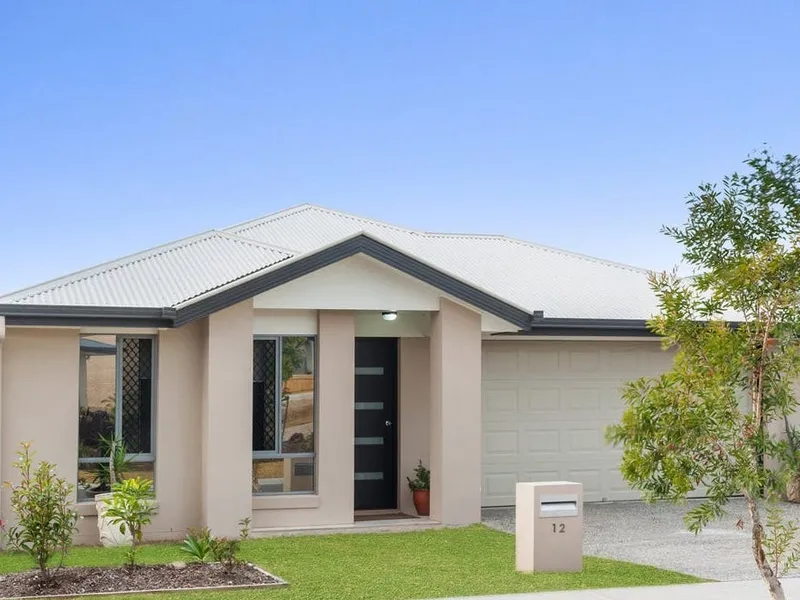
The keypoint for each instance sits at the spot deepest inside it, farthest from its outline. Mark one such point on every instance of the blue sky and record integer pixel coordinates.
(578, 124)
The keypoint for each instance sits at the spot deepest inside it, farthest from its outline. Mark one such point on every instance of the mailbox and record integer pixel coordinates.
(549, 523)
(565, 505)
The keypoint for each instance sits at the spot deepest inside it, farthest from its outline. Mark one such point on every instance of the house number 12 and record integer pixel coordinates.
(560, 528)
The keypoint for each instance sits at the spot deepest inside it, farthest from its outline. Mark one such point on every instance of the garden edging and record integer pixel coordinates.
(276, 582)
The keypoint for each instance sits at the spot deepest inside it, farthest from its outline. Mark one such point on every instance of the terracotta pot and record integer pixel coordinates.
(793, 489)
(422, 502)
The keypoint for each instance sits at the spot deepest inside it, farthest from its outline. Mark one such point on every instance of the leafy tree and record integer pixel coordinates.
(43, 506)
(711, 420)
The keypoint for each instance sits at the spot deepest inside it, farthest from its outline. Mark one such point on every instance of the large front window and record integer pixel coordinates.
(116, 400)
(283, 414)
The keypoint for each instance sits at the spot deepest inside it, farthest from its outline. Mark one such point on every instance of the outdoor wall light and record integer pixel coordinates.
(389, 315)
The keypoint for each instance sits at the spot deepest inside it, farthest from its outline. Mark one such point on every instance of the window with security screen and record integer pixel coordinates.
(116, 401)
(284, 392)
(265, 392)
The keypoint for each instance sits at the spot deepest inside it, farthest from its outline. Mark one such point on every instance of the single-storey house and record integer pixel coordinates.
(296, 368)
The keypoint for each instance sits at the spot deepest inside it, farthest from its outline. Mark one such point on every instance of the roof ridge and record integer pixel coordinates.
(288, 256)
(546, 248)
(108, 265)
(130, 259)
(355, 217)
(253, 242)
(423, 233)
(308, 206)
(251, 223)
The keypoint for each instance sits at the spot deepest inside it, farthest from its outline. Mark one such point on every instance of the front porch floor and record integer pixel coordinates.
(377, 525)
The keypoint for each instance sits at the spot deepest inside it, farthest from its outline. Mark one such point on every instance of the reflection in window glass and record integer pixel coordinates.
(93, 477)
(98, 377)
(283, 475)
(297, 401)
(115, 399)
(283, 414)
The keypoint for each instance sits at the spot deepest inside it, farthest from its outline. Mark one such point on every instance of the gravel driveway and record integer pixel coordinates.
(655, 534)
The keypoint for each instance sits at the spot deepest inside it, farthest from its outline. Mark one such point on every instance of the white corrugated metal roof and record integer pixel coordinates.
(526, 275)
(164, 276)
(534, 277)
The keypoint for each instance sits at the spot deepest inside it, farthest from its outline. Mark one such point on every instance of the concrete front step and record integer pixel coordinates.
(376, 526)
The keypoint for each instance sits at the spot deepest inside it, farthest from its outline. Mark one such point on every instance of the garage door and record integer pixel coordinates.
(546, 405)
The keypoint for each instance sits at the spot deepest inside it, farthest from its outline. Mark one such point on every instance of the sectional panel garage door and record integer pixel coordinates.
(545, 408)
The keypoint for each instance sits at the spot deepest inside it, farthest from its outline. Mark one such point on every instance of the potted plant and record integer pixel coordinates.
(420, 487)
(107, 476)
(129, 507)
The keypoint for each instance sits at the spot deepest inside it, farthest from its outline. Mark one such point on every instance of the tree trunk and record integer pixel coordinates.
(112, 459)
(793, 489)
(767, 574)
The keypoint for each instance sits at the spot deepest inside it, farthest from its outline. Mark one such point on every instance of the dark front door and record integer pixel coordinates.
(376, 430)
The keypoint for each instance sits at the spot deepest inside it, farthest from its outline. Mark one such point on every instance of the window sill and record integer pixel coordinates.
(285, 502)
(89, 509)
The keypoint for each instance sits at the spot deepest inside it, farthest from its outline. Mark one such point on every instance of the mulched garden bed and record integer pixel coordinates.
(145, 578)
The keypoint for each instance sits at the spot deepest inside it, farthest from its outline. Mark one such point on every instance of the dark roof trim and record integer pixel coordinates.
(585, 327)
(82, 316)
(361, 244)
(72, 316)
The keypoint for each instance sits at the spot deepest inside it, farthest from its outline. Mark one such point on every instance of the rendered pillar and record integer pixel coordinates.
(227, 420)
(455, 418)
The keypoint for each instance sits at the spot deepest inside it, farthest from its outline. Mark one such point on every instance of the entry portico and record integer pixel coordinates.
(205, 468)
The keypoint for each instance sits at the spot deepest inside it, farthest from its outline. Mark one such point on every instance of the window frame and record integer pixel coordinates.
(139, 457)
(277, 453)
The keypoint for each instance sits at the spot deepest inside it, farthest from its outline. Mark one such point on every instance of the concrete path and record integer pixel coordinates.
(654, 534)
(729, 590)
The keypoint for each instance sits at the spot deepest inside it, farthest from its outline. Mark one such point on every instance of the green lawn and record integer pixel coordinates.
(424, 564)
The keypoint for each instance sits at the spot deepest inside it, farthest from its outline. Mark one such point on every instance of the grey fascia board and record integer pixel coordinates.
(588, 327)
(361, 244)
(581, 331)
(77, 316)
(590, 323)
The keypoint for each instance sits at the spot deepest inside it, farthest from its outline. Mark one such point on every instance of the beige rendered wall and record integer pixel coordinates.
(178, 426)
(414, 413)
(333, 502)
(40, 400)
(227, 419)
(179, 379)
(455, 423)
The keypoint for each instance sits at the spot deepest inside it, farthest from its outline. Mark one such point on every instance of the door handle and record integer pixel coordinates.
(388, 423)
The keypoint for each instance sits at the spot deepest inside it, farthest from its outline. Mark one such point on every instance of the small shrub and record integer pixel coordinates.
(197, 544)
(45, 520)
(226, 552)
(244, 528)
(201, 545)
(130, 508)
